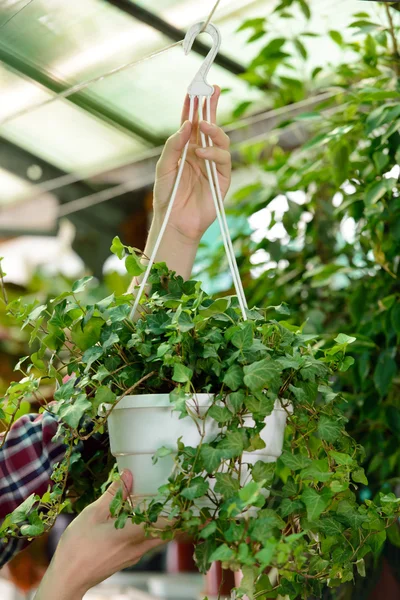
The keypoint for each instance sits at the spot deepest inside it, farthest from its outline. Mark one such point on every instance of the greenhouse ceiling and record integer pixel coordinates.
(48, 46)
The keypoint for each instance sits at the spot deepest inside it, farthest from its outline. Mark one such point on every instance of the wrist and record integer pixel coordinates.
(60, 583)
(172, 230)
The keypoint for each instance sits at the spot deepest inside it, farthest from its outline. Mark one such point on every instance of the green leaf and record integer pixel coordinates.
(331, 526)
(118, 248)
(348, 513)
(35, 527)
(315, 503)
(116, 503)
(243, 339)
(185, 323)
(220, 414)
(385, 370)
(295, 462)
(121, 520)
(329, 429)
(266, 555)
(211, 457)
(289, 506)
(234, 377)
(318, 470)
(72, 413)
(91, 355)
(198, 487)
(21, 513)
(87, 336)
(341, 459)
(342, 338)
(263, 471)
(359, 476)
(103, 395)
(236, 400)
(66, 391)
(226, 485)
(337, 37)
(209, 530)
(133, 265)
(81, 284)
(161, 452)
(300, 48)
(222, 553)
(231, 446)
(182, 374)
(261, 374)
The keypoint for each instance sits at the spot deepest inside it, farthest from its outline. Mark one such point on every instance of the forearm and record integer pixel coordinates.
(55, 584)
(175, 250)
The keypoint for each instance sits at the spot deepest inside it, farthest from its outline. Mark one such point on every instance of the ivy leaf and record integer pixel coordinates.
(266, 554)
(35, 527)
(211, 457)
(315, 503)
(263, 471)
(236, 400)
(117, 503)
(118, 248)
(72, 413)
(161, 452)
(341, 459)
(261, 374)
(221, 414)
(182, 374)
(222, 553)
(226, 485)
(295, 462)
(289, 506)
(243, 339)
(81, 284)
(331, 526)
(234, 377)
(359, 476)
(348, 514)
(21, 513)
(66, 391)
(231, 446)
(198, 488)
(91, 355)
(103, 395)
(329, 429)
(318, 470)
(133, 265)
(342, 338)
(209, 530)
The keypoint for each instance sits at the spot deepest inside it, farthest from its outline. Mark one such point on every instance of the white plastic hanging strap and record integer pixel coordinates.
(201, 89)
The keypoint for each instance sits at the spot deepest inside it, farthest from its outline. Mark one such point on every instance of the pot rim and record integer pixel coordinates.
(151, 401)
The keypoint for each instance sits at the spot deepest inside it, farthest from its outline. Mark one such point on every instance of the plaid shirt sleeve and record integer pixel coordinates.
(26, 464)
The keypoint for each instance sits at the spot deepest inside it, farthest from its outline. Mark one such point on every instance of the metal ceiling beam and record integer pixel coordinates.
(94, 228)
(94, 107)
(154, 21)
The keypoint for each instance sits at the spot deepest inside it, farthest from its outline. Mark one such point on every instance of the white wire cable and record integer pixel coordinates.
(223, 214)
(166, 219)
(219, 208)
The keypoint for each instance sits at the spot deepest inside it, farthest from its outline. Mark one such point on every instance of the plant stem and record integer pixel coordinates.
(392, 32)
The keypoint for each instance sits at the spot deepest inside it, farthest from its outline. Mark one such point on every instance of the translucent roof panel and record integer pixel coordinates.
(61, 133)
(12, 187)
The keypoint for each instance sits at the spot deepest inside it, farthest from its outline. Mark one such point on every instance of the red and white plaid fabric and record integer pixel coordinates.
(26, 464)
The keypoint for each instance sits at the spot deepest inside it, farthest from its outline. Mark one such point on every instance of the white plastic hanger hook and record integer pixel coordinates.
(199, 85)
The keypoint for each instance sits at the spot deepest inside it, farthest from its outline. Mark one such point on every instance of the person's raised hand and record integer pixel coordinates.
(193, 210)
(91, 549)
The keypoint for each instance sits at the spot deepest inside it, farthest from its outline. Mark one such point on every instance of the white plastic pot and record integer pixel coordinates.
(140, 425)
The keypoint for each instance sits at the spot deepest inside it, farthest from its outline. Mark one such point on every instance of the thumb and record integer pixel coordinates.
(173, 150)
(103, 503)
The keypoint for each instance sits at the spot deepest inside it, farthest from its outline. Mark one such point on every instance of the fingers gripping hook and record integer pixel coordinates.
(199, 85)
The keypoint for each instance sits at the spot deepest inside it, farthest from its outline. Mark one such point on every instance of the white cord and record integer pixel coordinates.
(222, 209)
(219, 208)
(166, 219)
